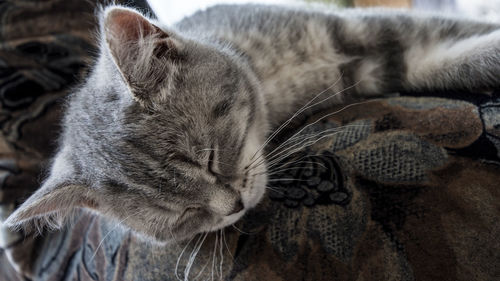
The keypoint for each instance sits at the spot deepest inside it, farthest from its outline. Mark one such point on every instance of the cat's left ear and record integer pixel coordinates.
(145, 54)
(51, 205)
(56, 199)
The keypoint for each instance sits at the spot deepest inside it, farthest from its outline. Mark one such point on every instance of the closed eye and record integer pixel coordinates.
(211, 169)
(184, 159)
(190, 210)
(211, 163)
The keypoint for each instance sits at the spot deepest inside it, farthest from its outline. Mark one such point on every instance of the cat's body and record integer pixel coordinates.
(299, 53)
(166, 135)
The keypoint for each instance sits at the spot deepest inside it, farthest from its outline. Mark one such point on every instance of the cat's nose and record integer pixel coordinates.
(237, 207)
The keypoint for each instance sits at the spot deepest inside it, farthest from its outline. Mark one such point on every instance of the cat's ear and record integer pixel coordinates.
(55, 200)
(50, 206)
(144, 53)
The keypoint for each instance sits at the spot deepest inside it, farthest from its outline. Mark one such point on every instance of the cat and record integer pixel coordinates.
(168, 132)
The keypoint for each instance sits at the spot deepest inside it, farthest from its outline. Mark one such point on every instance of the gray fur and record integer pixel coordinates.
(161, 134)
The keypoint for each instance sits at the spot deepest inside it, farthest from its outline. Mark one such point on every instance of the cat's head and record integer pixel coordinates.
(164, 136)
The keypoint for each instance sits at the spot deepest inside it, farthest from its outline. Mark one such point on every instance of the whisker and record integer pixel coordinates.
(234, 226)
(223, 163)
(221, 255)
(323, 117)
(211, 149)
(187, 268)
(273, 154)
(291, 143)
(270, 173)
(290, 179)
(272, 169)
(109, 232)
(308, 141)
(284, 124)
(301, 162)
(225, 243)
(192, 257)
(275, 189)
(214, 255)
(286, 164)
(303, 109)
(180, 256)
(333, 113)
(300, 144)
(297, 137)
(202, 269)
(171, 233)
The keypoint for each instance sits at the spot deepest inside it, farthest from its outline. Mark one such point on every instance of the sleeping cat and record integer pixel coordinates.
(168, 133)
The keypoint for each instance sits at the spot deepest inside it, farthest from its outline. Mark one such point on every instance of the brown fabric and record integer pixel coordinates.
(403, 189)
(45, 48)
(392, 196)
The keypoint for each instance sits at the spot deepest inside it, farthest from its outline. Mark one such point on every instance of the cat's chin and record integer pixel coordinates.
(253, 196)
(229, 220)
(250, 199)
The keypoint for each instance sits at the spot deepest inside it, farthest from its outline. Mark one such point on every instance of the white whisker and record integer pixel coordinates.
(290, 179)
(283, 166)
(301, 162)
(287, 151)
(234, 226)
(109, 232)
(270, 155)
(192, 257)
(221, 255)
(323, 117)
(284, 124)
(225, 243)
(275, 189)
(214, 255)
(309, 143)
(270, 173)
(179, 258)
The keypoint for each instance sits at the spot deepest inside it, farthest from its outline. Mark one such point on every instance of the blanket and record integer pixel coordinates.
(399, 188)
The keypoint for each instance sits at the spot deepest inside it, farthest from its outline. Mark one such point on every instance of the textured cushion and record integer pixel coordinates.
(402, 188)
(406, 189)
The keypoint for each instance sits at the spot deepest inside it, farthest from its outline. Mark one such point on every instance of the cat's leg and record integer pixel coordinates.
(392, 52)
(464, 63)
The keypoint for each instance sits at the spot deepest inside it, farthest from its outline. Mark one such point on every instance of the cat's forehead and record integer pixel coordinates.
(210, 74)
(205, 91)
(209, 98)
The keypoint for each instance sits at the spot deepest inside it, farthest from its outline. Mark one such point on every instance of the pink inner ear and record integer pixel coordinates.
(128, 25)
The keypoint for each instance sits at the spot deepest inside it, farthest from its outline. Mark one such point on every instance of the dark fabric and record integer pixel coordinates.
(407, 190)
(45, 48)
(403, 188)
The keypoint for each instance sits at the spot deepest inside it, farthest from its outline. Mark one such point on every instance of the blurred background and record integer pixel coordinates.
(170, 11)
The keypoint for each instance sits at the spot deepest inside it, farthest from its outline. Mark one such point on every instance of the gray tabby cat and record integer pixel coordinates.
(166, 136)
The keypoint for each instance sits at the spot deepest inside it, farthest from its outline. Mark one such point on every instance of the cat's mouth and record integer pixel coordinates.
(250, 198)
(230, 219)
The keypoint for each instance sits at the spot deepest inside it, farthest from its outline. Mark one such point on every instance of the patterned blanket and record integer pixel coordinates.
(401, 188)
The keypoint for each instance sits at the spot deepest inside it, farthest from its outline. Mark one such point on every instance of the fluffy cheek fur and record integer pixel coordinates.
(158, 226)
(255, 168)
(152, 223)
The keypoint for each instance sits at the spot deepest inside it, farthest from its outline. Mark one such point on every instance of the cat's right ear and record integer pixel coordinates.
(145, 54)
(55, 200)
